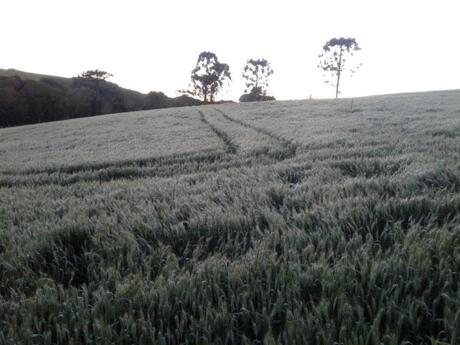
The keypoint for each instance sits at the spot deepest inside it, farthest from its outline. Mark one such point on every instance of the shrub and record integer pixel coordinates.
(256, 95)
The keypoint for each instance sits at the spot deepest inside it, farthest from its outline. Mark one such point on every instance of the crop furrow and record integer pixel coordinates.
(112, 174)
(288, 146)
(230, 146)
(195, 157)
(257, 129)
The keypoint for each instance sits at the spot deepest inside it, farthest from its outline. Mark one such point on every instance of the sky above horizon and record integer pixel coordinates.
(407, 45)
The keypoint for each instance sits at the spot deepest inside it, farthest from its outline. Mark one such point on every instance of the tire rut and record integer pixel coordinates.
(288, 146)
(161, 167)
(107, 175)
(181, 158)
(230, 146)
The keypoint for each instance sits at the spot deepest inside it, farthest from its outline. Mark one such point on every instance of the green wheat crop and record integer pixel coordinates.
(296, 222)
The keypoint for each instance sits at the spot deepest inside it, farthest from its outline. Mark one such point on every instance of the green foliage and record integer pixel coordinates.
(155, 100)
(25, 99)
(208, 76)
(95, 75)
(256, 73)
(256, 95)
(3, 231)
(61, 255)
(302, 226)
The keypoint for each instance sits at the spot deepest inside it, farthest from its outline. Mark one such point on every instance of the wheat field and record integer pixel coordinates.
(288, 222)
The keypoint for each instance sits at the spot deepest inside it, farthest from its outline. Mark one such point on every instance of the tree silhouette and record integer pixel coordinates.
(256, 95)
(95, 75)
(208, 76)
(334, 58)
(256, 73)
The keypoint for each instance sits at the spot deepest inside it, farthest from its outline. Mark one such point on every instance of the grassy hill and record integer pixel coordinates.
(300, 222)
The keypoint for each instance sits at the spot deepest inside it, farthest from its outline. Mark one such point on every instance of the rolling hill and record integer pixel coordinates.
(289, 222)
(28, 98)
(11, 72)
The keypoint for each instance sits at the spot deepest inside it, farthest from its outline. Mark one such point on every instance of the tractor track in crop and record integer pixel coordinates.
(288, 146)
(156, 167)
(112, 174)
(230, 146)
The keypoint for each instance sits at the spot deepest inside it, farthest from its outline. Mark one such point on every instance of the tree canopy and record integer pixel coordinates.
(95, 75)
(208, 76)
(256, 73)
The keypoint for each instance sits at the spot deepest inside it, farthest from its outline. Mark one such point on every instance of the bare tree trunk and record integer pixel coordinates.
(205, 94)
(211, 94)
(337, 85)
(339, 72)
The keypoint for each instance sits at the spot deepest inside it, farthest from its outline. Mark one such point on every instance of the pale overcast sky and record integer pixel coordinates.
(407, 45)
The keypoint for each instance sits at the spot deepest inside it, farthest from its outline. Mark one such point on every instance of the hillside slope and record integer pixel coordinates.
(28, 98)
(279, 222)
(11, 72)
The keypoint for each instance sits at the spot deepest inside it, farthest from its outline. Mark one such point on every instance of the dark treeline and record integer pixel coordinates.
(26, 101)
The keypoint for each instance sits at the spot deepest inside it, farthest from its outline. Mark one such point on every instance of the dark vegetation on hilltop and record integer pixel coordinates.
(29, 98)
(256, 95)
